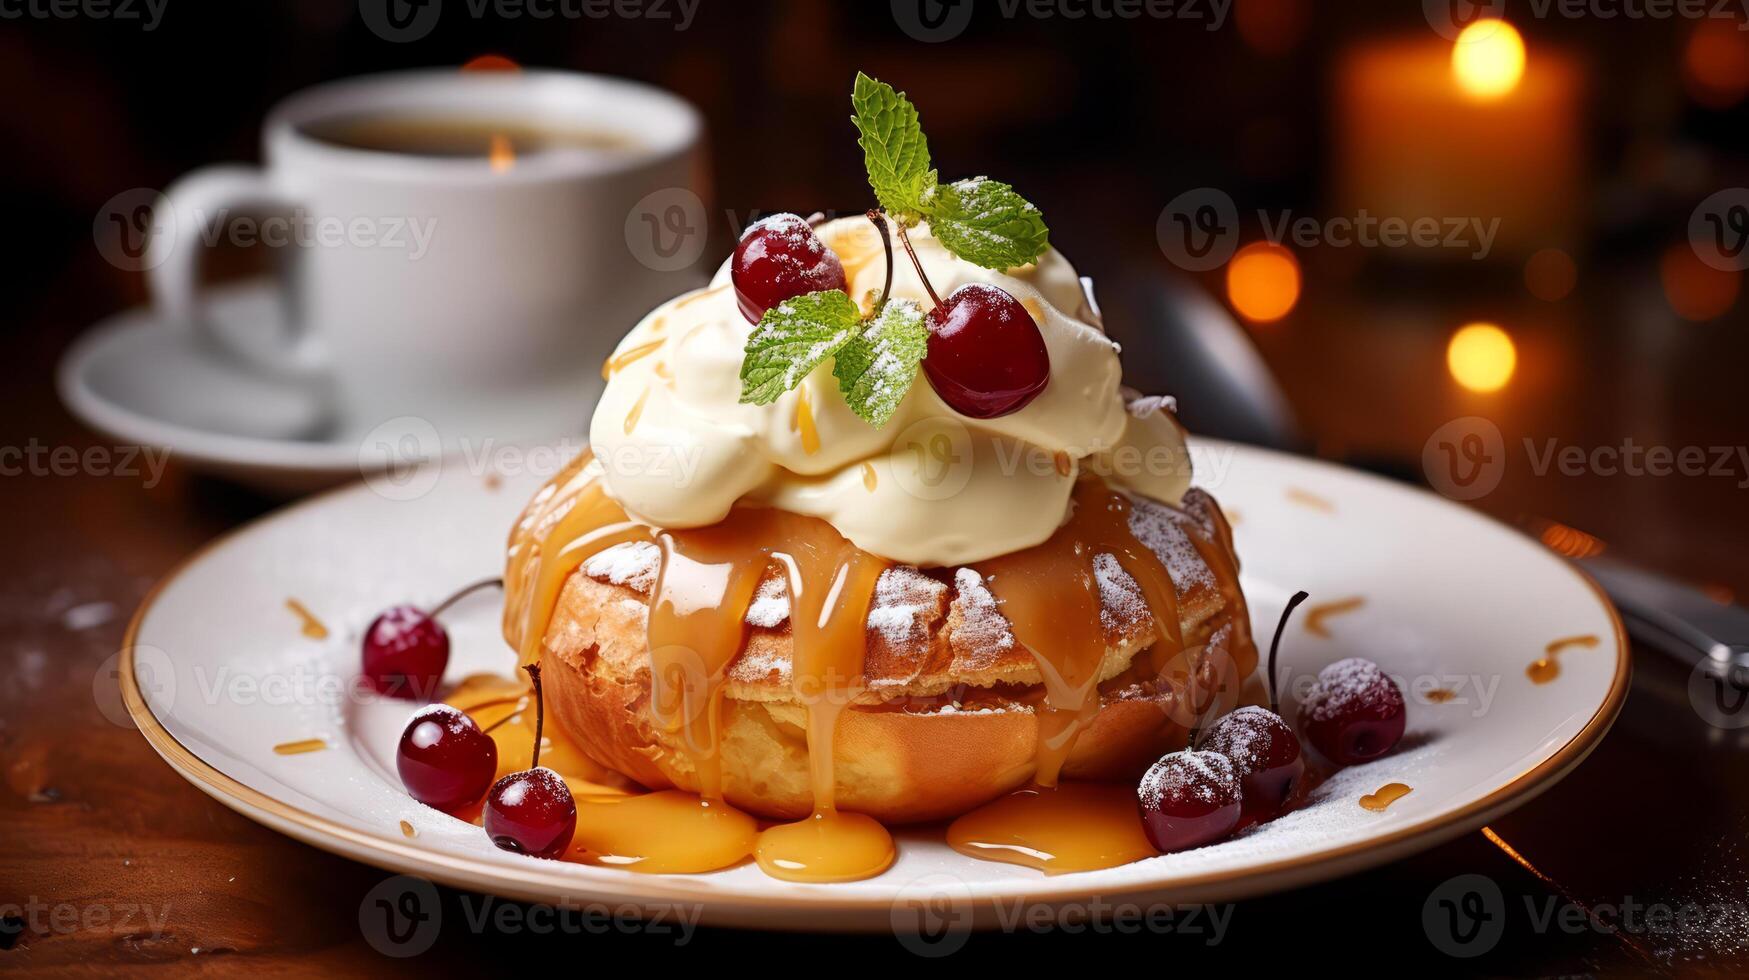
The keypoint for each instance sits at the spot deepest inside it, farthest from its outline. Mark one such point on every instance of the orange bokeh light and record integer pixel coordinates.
(1550, 274)
(1715, 63)
(1263, 282)
(1481, 357)
(1488, 59)
(1696, 291)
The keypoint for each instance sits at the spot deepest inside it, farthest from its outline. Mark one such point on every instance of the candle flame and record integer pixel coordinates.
(491, 62)
(502, 154)
(1487, 59)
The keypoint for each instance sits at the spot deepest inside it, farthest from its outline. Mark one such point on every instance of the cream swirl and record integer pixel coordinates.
(931, 488)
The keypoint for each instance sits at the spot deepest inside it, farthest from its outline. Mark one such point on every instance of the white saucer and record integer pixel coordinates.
(144, 381)
(1452, 602)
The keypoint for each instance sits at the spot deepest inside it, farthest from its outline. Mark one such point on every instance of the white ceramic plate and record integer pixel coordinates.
(219, 674)
(145, 381)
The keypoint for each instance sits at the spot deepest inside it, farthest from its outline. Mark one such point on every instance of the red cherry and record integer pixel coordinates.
(986, 355)
(1189, 799)
(444, 759)
(1265, 755)
(532, 812)
(779, 258)
(406, 650)
(405, 653)
(1353, 713)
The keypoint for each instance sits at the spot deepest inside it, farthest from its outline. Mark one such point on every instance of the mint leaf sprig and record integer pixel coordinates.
(877, 356)
(983, 221)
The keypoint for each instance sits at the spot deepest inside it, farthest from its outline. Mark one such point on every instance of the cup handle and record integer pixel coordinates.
(175, 278)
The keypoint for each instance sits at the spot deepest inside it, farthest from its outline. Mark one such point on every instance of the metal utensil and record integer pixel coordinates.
(1673, 617)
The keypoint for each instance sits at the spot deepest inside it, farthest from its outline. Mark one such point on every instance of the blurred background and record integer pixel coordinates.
(1561, 163)
(1570, 190)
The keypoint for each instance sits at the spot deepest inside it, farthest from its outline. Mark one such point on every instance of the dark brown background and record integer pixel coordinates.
(1100, 122)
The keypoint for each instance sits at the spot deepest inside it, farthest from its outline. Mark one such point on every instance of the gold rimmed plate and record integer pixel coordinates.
(238, 692)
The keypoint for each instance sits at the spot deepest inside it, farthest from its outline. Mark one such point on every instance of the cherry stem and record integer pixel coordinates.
(1275, 645)
(464, 593)
(905, 240)
(1201, 712)
(539, 711)
(880, 222)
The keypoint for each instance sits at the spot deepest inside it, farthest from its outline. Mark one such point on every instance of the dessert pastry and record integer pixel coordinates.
(866, 539)
(791, 578)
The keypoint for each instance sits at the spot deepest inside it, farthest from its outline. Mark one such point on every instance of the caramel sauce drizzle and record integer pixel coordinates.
(301, 746)
(1315, 615)
(707, 579)
(1074, 827)
(669, 832)
(408, 830)
(868, 477)
(1548, 667)
(1384, 796)
(685, 301)
(1050, 598)
(804, 422)
(637, 412)
(618, 362)
(1306, 498)
(309, 625)
(1439, 695)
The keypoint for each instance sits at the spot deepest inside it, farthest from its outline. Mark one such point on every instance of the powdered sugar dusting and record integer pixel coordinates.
(981, 625)
(1330, 817)
(905, 604)
(1245, 736)
(1347, 685)
(632, 564)
(1159, 527)
(1121, 603)
(770, 606)
(1205, 776)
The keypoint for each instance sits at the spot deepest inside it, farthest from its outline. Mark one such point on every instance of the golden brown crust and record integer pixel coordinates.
(946, 720)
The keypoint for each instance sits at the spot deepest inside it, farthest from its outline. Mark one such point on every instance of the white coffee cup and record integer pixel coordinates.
(478, 297)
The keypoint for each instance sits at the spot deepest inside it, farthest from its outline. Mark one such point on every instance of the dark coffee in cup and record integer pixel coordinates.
(462, 136)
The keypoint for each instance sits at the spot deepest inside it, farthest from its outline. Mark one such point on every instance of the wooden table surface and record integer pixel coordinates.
(111, 860)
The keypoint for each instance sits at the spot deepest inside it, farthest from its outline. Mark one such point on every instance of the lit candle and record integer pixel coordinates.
(1472, 130)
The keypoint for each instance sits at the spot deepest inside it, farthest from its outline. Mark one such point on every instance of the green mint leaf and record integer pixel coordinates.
(893, 147)
(876, 368)
(986, 223)
(791, 339)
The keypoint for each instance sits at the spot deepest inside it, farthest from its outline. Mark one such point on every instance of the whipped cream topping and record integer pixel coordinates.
(677, 449)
